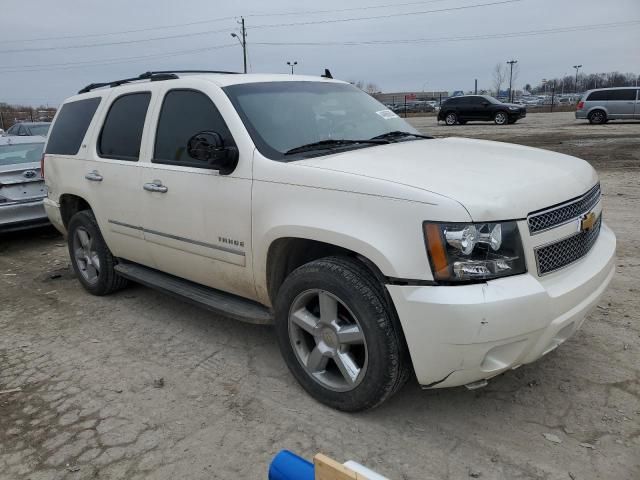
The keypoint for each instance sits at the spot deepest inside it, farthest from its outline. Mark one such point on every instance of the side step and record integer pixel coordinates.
(214, 300)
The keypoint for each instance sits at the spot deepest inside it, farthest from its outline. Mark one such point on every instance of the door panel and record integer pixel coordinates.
(197, 223)
(621, 103)
(112, 176)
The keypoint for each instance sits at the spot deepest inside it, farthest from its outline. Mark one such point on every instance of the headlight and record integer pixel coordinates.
(461, 252)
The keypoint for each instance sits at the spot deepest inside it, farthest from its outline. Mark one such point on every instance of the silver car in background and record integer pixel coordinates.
(22, 187)
(604, 104)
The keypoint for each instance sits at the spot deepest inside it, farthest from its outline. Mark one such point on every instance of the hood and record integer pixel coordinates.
(492, 180)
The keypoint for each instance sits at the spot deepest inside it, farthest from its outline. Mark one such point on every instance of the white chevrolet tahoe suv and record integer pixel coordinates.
(303, 202)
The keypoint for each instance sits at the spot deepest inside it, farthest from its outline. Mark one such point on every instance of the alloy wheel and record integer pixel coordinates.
(85, 255)
(450, 119)
(501, 118)
(328, 340)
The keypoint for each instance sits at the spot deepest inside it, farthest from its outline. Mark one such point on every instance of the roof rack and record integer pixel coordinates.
(151, 76)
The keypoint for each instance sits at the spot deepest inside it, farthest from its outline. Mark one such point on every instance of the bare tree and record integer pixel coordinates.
(371, 88)
(499, 75)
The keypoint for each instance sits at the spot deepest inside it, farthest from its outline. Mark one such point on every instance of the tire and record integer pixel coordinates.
(451, 118)
(597, 117)
(92, 260)
(501, 118)
(314, 354)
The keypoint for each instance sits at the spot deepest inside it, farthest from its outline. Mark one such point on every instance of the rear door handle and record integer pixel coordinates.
(93, 176)
(155, 186)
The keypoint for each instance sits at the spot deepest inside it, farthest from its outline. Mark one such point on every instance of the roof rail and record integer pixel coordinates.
(151, 76)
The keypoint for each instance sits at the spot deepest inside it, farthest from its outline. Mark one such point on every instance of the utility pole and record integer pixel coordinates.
(291, 64)
(476, 88)
(243, 42)
(577, 67)
(511, 64)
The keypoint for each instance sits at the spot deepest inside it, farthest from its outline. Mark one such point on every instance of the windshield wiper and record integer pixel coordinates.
(398, 134)
(333, 143)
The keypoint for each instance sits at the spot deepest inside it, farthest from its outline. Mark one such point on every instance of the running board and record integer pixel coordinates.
(214, 300)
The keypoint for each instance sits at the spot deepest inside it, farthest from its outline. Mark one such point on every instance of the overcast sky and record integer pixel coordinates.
(37, 66)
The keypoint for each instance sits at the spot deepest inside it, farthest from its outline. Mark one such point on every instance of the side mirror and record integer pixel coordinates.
(209, 147)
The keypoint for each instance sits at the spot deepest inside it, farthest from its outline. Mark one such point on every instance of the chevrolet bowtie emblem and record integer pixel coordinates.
(587, 222)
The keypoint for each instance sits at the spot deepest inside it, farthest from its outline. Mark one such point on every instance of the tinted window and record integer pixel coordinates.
(453, 101)
(13, 130)
(475, 100)
(624, 94)
(599, 95)
(71, 126)
(185, 113)
(122, 131)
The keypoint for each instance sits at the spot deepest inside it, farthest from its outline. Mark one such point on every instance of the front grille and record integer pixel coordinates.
(560, 254)
(547, 219)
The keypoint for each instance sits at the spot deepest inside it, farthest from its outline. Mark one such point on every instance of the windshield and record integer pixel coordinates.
(40, 129)
(281, 116)
(20, 153)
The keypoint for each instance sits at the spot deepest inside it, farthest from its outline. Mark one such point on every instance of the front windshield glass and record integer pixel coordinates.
(281, 116)
(20, 153)
(492, 100)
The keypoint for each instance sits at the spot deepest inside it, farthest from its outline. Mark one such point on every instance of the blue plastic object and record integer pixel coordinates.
(289, 466)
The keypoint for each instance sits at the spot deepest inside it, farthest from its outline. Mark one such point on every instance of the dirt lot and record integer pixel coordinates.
(139, 385)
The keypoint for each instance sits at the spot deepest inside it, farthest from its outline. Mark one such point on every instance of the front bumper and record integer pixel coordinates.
(462, 334)
(20, 216)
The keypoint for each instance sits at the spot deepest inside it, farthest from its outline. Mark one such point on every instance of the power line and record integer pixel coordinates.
(214, 20)
(111, 61)
(378, 17)
(454, 39)
(261, 26)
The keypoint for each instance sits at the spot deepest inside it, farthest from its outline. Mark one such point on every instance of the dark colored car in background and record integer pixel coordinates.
(479, 108)
(29, 129)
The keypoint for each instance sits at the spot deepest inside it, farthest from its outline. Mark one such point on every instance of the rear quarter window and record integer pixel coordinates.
(71, 126)
(601, 95)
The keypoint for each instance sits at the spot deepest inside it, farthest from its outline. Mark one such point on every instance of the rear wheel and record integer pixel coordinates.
(597, 117)
(92, 260)
(501, 118)
(451, 118)
(338, 336)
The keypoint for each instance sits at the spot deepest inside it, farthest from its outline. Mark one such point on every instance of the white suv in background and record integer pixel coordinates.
(303, 202)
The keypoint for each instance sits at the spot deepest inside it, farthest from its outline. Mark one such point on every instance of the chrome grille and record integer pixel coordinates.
(560, 254)
(550, 218)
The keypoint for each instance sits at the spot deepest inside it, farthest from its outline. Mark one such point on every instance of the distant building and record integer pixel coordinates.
(398, 97)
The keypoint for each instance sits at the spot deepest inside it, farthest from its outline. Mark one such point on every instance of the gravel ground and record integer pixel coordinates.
(139, 385)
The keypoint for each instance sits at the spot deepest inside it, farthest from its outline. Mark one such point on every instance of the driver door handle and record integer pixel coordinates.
(155, 186)
(93, 176)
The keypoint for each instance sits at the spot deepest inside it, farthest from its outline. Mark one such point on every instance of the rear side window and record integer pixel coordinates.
(122, 130)
(185, 113)
(624, 94)
(71, 126)
(599, 95)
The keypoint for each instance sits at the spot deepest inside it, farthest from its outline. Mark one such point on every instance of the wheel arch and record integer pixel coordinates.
(286, 253)
(70, 204)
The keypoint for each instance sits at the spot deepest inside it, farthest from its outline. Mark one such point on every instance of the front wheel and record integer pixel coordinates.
(501, 118)
(338, 335)
(451, 118)
(92, 260)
